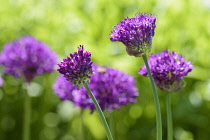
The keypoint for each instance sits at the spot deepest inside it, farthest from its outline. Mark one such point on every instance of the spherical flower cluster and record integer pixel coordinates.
(168, 70)
(77, 68)
(112, 88)
(135, 33)
(27, 57)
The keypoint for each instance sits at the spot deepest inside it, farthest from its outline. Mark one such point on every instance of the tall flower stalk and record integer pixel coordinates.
(168, 70)
(136, 34)
(169, 117)
(26, 58)
(27, 114)
(77, 69)
(1, 81)
(157, 104)
(82, 125)
(112, 123)
(105, 124)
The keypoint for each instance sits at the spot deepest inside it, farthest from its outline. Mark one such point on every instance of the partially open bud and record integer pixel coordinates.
(136, 34)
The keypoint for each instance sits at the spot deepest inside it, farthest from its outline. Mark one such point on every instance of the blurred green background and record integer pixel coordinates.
(182, 26)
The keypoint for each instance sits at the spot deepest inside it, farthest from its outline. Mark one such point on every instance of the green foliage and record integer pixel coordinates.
(182, 26)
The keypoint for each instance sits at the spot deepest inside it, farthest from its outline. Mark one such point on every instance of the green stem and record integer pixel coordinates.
(157, 104)
(108, 132)
(82, 125)
(169, 117)
(27, 115)
(111, 124)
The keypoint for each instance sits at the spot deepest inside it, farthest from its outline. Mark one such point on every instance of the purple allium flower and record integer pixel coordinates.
(112, 88)
(77, 68)
(27, 57)
(135, 33)
(168, 70)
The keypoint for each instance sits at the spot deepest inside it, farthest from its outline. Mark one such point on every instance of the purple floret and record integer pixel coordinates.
(27, 57)
(135, 33)
(168, 70)
(112, 88)
(77, 68)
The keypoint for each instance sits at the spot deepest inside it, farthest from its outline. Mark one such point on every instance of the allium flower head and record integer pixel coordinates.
(135, 33)
(27, 57)
(77, 68)
(168, 70)
(112, 88)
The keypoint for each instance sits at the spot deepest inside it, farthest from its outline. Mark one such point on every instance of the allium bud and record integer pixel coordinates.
(135, 33)
(77, 68)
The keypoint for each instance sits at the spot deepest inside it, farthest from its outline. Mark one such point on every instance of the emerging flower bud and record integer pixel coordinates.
(136, 34)
(77, 68)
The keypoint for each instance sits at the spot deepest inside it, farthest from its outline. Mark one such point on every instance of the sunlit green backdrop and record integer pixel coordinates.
(182, 26)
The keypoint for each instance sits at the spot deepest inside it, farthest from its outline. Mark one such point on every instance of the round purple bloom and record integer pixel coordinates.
(135, 33)
(77, 68)
(27, 57)
(168, 70)
(112, 88)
